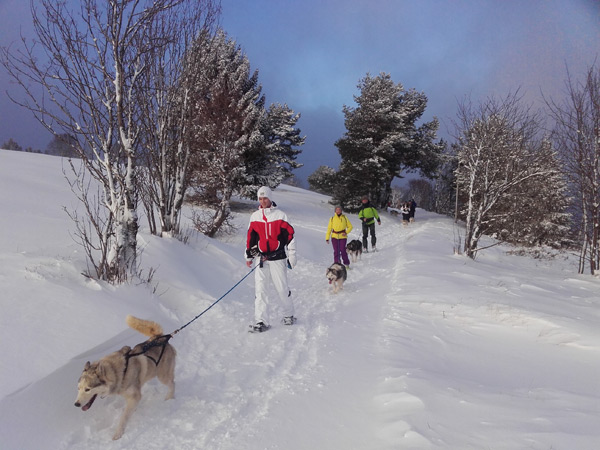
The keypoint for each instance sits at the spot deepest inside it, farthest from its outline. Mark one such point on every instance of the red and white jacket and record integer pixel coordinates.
(270, 230)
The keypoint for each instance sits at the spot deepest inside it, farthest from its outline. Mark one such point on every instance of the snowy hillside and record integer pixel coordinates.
(422, 349)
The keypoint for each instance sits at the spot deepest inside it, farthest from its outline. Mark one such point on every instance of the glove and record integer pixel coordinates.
(378, 222)
(289, 265)
(252, 252)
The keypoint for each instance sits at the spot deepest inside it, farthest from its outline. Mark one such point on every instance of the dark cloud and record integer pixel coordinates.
(326, 126)
(311, 54)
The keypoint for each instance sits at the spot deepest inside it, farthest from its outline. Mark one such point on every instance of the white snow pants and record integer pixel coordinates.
(275, 272)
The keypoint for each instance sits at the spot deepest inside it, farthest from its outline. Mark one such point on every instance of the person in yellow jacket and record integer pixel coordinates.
(338, 229)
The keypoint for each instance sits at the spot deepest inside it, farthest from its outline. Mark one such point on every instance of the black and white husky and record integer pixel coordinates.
(336, 274)
(354, 249)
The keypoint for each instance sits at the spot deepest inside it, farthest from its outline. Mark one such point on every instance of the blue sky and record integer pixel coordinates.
(311, 54)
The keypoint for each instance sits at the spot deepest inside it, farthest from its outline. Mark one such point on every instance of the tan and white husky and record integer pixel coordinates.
(124, 372)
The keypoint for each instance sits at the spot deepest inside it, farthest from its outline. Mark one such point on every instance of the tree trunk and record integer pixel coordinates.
(221, 214)
(124, 253)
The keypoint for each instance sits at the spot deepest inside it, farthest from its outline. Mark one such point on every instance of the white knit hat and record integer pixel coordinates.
(265, 191)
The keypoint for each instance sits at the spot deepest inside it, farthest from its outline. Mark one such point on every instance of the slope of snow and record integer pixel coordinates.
(422, 349)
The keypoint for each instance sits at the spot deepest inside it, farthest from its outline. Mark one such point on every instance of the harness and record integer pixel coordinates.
(160, 341)
(341, 231)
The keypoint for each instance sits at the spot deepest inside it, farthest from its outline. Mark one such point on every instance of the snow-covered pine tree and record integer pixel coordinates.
(226, 113)
(382, 141)
(11, 144)
(63, 145)
(322, 180)
(272, 158)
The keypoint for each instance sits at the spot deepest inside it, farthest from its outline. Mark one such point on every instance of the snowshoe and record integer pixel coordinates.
(289, 320)
(259, 327)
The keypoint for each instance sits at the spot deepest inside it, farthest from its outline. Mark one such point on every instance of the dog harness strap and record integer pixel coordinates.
(163, 344)
(159, 341)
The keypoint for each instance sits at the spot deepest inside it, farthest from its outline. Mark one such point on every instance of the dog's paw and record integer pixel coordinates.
(118, 434)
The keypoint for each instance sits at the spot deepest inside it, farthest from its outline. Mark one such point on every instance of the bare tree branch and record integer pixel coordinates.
(83, 76)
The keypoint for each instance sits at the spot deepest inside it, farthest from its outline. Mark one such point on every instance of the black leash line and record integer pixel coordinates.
(215, 302)
(161, 341)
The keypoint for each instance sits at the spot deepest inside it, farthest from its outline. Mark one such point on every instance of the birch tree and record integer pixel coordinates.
(88, 60)
(173, 70)
(499, 148)
(577, 136)
(534, 212)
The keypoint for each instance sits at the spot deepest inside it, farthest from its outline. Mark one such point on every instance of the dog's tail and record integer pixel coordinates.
(146, 327)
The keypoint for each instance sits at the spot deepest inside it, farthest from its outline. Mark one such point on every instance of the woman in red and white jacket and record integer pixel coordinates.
(271, 240)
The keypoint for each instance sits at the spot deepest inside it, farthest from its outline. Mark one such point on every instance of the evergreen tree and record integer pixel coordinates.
(228, 106)
(65, 145)
(382, 141)
(272, 157)
(322, 180)
(12, 145)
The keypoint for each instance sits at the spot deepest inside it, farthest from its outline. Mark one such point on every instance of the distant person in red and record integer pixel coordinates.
(271, 240)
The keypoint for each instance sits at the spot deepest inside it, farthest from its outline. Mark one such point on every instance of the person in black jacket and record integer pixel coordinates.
(412, 207)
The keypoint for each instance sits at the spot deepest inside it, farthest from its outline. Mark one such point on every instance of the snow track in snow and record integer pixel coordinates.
(423, 349)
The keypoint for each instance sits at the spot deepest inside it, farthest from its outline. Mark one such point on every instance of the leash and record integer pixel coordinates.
(162, 341)
(216, 301)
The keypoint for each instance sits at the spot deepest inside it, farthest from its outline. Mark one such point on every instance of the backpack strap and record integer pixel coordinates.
(331, 222)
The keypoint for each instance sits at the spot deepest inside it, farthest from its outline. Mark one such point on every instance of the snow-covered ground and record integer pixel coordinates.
(422, 349)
